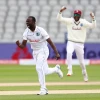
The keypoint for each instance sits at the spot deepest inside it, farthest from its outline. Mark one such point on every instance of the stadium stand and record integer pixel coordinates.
(13, 14)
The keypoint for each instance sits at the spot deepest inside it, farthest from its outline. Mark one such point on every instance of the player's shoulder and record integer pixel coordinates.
(26, 30)
(82, 19)
(38, 28)
(71, 18)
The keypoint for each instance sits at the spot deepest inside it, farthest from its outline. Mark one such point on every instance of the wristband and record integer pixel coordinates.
(93, 19)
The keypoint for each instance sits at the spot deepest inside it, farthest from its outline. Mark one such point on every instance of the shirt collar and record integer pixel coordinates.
(34, 30)
(76, 22)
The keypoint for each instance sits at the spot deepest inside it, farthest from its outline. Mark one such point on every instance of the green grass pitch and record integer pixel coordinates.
(21, 74)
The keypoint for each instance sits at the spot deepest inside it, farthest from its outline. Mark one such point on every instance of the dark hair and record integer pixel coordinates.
(33, 18)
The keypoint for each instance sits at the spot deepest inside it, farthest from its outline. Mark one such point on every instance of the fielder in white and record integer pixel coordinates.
(76, 27)
(38, 39)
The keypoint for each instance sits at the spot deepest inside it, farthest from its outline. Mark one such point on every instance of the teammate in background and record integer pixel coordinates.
(76, 37)
(38, 39)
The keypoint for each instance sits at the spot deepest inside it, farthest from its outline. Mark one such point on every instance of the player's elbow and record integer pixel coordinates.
(58, 18)
(93, 26)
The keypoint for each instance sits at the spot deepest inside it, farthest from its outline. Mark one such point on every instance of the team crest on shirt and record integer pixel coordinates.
(81, 24)
(37, 34)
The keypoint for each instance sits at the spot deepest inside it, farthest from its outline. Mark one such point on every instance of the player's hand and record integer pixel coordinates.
(57, 56)
(17, 42)
(63, 8)
(92, 15)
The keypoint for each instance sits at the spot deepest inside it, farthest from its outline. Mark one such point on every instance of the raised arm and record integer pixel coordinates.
(62, 19)
(93, 24)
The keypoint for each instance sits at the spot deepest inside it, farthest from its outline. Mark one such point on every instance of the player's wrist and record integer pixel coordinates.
(60, 12)
(19, 44)
(56, 53)
(93, 18)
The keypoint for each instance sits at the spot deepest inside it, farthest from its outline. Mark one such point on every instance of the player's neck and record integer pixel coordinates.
(32, 28)
(77, 22)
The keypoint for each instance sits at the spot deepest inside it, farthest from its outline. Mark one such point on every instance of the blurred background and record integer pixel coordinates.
(13, 15)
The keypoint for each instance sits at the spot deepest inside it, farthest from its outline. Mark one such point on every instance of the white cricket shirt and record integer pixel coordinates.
(76, 30)
(37, 38)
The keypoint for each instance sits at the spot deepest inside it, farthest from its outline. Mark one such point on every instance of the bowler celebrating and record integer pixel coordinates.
(76, 37)
(38, 39)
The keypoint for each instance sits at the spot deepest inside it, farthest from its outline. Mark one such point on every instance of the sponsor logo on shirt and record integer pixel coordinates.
(34, 40)
(76, 28)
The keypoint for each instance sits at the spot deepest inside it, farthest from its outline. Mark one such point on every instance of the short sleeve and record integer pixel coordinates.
(25, 34)
(44, 34)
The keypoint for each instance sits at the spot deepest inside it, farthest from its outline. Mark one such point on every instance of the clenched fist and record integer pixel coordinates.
(92, 15)
(63, 8)
(17, 42)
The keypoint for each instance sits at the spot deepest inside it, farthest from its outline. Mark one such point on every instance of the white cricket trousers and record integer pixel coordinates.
(42, 66)
(79, 49)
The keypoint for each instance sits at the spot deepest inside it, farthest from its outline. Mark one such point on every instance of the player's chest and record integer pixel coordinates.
(34, 36)
(76, 26)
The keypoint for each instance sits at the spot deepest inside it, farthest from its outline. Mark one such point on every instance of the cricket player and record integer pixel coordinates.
(76, 28)
(38, 39)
